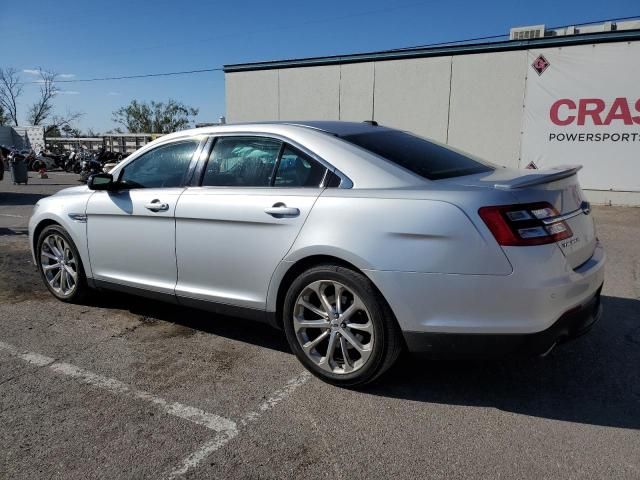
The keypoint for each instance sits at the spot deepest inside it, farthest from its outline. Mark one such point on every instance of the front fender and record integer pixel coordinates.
(69, 214)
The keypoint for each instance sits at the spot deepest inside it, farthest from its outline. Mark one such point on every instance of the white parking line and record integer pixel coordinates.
(276, 397)
(192, 414)
(220, 440)
(225, 428)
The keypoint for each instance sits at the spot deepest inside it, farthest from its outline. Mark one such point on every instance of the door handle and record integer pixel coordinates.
(280, 210)
(157, 206)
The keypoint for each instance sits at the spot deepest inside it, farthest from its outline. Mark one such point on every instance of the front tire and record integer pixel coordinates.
(339, 326)
(60, 265)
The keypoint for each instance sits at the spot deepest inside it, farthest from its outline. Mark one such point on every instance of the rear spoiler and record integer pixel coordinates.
(540, 177)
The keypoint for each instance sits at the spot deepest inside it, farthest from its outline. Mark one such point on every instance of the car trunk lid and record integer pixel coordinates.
(560, 188)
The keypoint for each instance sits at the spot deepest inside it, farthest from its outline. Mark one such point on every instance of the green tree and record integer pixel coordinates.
(155, 117)
(53, 131)
(69, 131)
(58, 123)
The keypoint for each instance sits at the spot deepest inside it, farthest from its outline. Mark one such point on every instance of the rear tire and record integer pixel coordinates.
(340, 327)
(60, 265)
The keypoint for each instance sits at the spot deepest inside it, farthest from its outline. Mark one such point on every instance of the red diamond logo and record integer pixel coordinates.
(540, 64)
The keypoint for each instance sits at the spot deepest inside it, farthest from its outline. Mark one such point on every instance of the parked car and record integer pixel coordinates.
(357, 240)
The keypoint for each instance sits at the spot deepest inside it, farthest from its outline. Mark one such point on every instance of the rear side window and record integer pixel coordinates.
(297, 169)
(241, 162)
(427, 159)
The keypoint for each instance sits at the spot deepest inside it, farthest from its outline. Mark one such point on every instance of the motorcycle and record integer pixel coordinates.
(37, 161)
(72, 162)
(90, 165)
(57, 158)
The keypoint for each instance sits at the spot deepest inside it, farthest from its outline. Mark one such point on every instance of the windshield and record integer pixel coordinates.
(423, 157)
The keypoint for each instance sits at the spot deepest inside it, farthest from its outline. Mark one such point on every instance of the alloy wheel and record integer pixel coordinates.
(59, 265)
(333, 327)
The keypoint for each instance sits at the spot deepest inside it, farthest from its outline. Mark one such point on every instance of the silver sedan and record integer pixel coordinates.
(359, 241)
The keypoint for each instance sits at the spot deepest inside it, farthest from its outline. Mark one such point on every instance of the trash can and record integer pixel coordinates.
(19, 172)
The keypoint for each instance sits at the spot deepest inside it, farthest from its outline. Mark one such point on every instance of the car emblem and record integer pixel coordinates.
(540, 64)
(568, 243)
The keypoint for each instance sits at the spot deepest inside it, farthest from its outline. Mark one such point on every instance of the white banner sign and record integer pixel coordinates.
(582, 106)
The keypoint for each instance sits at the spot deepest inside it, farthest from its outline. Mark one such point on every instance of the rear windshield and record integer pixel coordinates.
(427, 159)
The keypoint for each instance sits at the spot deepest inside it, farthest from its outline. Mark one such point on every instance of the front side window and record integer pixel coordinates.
(241, 162)
(162, 167)
(297, 169)
(423, 157)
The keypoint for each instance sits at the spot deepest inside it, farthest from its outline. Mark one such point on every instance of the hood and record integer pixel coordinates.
(72, 191)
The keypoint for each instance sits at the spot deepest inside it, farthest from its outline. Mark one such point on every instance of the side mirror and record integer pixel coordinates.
(100, 181)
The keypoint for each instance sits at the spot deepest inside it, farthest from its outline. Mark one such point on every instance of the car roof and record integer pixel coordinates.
(323, 138)
(338, 128)
(331, 127)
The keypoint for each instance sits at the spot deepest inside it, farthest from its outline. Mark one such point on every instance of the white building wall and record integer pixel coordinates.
(487, 96)
(413, 95)
(356, 91)
(311, 93)
(474, 102)
(252, 96)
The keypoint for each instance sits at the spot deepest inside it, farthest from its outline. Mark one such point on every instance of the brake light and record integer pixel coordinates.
(525, 224)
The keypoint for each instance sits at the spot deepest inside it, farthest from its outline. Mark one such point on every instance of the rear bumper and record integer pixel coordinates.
(530, 300)
(571, 324)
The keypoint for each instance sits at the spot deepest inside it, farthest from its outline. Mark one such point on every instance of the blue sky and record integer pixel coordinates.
(85, 39)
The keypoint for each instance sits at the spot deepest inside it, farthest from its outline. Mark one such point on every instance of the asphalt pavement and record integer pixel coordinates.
(125, 388)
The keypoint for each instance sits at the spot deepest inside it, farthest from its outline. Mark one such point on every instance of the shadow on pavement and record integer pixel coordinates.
(20, 198)
(235, 328)
(594, 379)
(13, 231)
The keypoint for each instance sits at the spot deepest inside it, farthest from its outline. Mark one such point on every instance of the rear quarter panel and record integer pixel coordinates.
(398, 234)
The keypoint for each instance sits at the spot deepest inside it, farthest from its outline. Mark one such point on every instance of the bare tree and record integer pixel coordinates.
(41, 109)
(10, 90)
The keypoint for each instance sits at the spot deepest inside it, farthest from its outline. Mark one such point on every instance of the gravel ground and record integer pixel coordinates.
(130, 388)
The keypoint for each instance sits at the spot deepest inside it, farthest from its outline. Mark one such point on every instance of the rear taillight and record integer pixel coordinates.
(525, 224)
